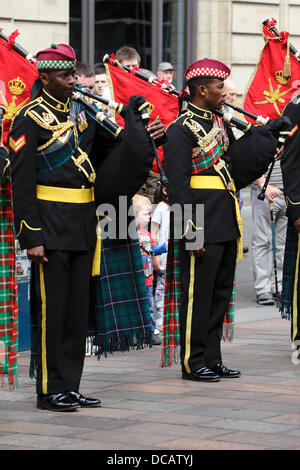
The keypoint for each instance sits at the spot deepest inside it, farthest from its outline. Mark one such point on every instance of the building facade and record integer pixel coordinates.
(177, 31)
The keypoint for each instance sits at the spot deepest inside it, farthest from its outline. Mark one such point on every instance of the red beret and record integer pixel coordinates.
(207, 68)
(56, 57)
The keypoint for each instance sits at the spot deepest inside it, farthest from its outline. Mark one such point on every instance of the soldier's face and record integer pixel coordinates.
(215, 95)
(59, 83)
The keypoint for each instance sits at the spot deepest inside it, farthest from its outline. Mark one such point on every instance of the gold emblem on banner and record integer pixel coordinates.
(280, 78)
(274, 96)
(15, 87)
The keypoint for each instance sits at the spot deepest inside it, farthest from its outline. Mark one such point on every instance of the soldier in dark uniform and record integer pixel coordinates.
(199, 166)
(290, 166)
(51, 144)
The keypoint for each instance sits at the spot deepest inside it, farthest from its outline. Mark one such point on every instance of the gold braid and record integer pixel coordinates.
(203, 141)
(57, 130)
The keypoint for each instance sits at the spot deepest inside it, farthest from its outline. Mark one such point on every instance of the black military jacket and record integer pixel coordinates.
(56, 225)
(220, 223)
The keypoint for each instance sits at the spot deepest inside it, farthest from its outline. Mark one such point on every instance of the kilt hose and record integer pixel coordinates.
(207, 284)
(59, 319)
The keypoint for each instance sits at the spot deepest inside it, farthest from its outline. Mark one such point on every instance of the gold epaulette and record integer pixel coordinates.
(31, 105)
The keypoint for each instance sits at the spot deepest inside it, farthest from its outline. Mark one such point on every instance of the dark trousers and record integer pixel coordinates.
(61, 297)
(207, 284)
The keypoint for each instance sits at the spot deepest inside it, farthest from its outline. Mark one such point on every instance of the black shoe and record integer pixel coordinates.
(202, 375)
(225, 373)
(56, 402)
(83, 401)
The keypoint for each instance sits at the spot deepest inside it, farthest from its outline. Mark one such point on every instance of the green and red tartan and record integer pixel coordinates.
(170, 346)
(170, 349)
(8, 290)
(202, 158)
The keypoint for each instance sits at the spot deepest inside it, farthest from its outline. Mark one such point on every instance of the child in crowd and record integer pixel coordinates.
(142, 210)
(160, 223)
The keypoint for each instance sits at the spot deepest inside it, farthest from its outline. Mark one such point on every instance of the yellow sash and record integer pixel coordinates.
(216, 182)
(75, 196)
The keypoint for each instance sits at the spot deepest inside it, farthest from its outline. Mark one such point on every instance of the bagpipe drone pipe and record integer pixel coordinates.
(128, 163)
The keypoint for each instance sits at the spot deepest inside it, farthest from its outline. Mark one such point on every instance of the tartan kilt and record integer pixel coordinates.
(170, 349)
(288, 275)
(119, 311)
(9, 290)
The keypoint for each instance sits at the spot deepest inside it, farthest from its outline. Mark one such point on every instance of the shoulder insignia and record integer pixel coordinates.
(16, 145)
(32, 105)
(293, 131)
(195, 125)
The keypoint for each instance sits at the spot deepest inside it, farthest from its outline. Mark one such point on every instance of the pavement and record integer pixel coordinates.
(147, 408)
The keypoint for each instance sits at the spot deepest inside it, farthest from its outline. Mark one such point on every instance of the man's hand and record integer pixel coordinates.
(156, 129)
(278, 153)
(297, 225)
(197, 253)
(37, 254)
(272, 192)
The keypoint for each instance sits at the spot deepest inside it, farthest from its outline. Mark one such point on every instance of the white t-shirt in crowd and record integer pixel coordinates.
(161, 216)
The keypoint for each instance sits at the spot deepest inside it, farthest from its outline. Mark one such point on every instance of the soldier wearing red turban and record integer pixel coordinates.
(205, 167)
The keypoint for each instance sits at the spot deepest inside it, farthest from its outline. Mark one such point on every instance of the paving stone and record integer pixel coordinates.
(36, 442)
(152, 388)
(285, 419)
(268, 441)
(247, 425)
(204, 444)
(43, 429)
(159, 434)
(147, 407)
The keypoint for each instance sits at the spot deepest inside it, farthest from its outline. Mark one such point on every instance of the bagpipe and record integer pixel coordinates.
(91, 106)
(90, 100)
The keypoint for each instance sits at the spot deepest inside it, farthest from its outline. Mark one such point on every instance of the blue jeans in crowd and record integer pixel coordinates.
(151, 305)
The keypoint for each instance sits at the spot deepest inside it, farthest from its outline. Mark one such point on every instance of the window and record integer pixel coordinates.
(123, 23)
(160, 30)
(75, 26)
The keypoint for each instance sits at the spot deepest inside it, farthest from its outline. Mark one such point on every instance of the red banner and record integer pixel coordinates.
(270, 91)
(163, 104)
(17, 77)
